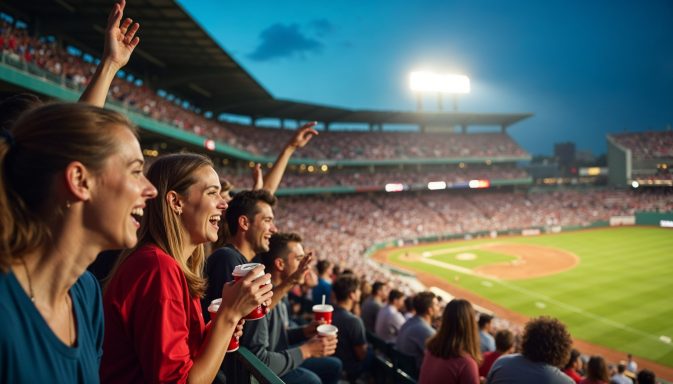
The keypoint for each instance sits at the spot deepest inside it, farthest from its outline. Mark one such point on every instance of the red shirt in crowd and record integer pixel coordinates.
(153, 326)
(489, 359)
(458, 370)
(573, 375)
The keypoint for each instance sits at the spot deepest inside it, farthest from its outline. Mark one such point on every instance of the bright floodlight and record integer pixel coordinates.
(424, 81)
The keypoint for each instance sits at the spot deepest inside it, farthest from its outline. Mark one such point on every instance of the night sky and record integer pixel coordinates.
(584, 68)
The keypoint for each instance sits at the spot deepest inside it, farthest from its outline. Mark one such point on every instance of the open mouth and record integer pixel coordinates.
(215, 220)
(137, 216)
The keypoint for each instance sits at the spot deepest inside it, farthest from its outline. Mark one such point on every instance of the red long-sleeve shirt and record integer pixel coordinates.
(153, 326)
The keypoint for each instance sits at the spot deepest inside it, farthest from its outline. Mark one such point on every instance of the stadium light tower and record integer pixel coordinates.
(429, 82)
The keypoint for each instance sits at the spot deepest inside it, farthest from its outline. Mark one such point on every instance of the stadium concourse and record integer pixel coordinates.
(341, 227)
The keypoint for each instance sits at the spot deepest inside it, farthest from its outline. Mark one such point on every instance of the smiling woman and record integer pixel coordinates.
(70, 177)
(154, 329)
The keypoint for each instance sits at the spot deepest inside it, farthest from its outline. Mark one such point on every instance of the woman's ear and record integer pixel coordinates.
(78, 181)
(174, 202)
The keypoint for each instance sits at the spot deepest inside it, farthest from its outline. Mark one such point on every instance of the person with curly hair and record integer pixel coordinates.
(646, 377)
(545, 347)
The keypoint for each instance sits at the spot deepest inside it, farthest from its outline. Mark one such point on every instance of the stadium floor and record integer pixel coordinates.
(611, 286)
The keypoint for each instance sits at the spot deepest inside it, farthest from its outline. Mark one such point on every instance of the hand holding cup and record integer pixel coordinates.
(248, 292)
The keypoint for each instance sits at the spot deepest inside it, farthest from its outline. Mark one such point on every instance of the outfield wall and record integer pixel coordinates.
(655, 218)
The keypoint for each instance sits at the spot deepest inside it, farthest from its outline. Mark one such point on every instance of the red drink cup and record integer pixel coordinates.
(212, 309)
(240, 272)
(323, 312)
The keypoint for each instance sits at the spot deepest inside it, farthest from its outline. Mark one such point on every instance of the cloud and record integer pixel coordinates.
(321, 27)
(281, 40)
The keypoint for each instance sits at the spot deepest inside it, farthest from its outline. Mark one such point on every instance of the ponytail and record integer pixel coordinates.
(41, 143)
(19, 231)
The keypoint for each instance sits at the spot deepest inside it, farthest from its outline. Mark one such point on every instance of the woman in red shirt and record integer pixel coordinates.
(154, 328)
(452, 355)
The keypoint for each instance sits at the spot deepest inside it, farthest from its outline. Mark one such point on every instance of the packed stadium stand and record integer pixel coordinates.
(381, 176)
(643, 158)
(384, 145)
(342, 227)
(647, 145)
(45, 57)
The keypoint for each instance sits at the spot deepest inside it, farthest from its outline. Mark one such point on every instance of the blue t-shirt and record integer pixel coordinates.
(323, 288)
(30, 352)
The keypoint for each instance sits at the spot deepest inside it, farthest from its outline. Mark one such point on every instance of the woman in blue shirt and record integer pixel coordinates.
(71, 185)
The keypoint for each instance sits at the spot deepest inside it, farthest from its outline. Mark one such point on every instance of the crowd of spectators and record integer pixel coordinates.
(341, 228)
(366, 178)
(647, 145)
(384, 145)
(47, 54)
(433, 339)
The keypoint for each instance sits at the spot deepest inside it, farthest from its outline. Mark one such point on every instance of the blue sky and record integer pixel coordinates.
(584, 68)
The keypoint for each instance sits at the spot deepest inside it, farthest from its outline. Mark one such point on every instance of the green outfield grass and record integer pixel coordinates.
(620, 295)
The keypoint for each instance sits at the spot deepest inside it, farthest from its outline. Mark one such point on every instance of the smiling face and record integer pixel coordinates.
(202, 207)
(261, 228)
(119, 195)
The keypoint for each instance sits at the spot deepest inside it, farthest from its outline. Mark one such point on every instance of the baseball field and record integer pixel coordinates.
(613, 287)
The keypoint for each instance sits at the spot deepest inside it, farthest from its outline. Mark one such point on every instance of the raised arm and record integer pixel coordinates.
(299, 140)
(120, 41)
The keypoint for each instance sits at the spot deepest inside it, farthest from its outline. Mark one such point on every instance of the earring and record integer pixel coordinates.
(67, 204)
(179, 211)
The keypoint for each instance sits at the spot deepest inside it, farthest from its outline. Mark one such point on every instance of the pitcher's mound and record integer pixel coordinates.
(466, 256)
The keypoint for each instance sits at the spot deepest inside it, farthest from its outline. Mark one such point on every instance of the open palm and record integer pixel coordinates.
(120, 38)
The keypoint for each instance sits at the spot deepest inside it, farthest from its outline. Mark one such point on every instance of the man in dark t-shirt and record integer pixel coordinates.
(250, 220)
(352, 345)
(218, 269)
(373, 304)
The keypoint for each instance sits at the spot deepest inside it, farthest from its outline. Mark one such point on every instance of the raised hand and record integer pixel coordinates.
(297, 277)
(120, 37)
(303, 135)
(257, 177)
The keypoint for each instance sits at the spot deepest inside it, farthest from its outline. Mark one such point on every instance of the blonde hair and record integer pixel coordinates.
(39, 145)
(162, 226)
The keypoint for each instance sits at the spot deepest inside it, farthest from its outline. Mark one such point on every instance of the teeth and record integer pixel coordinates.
(215, 218)
(137, 212)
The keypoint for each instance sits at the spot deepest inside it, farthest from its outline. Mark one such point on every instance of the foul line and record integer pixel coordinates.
(540, 296)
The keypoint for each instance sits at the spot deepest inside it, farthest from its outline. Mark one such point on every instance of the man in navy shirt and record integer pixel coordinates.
(352, 346)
